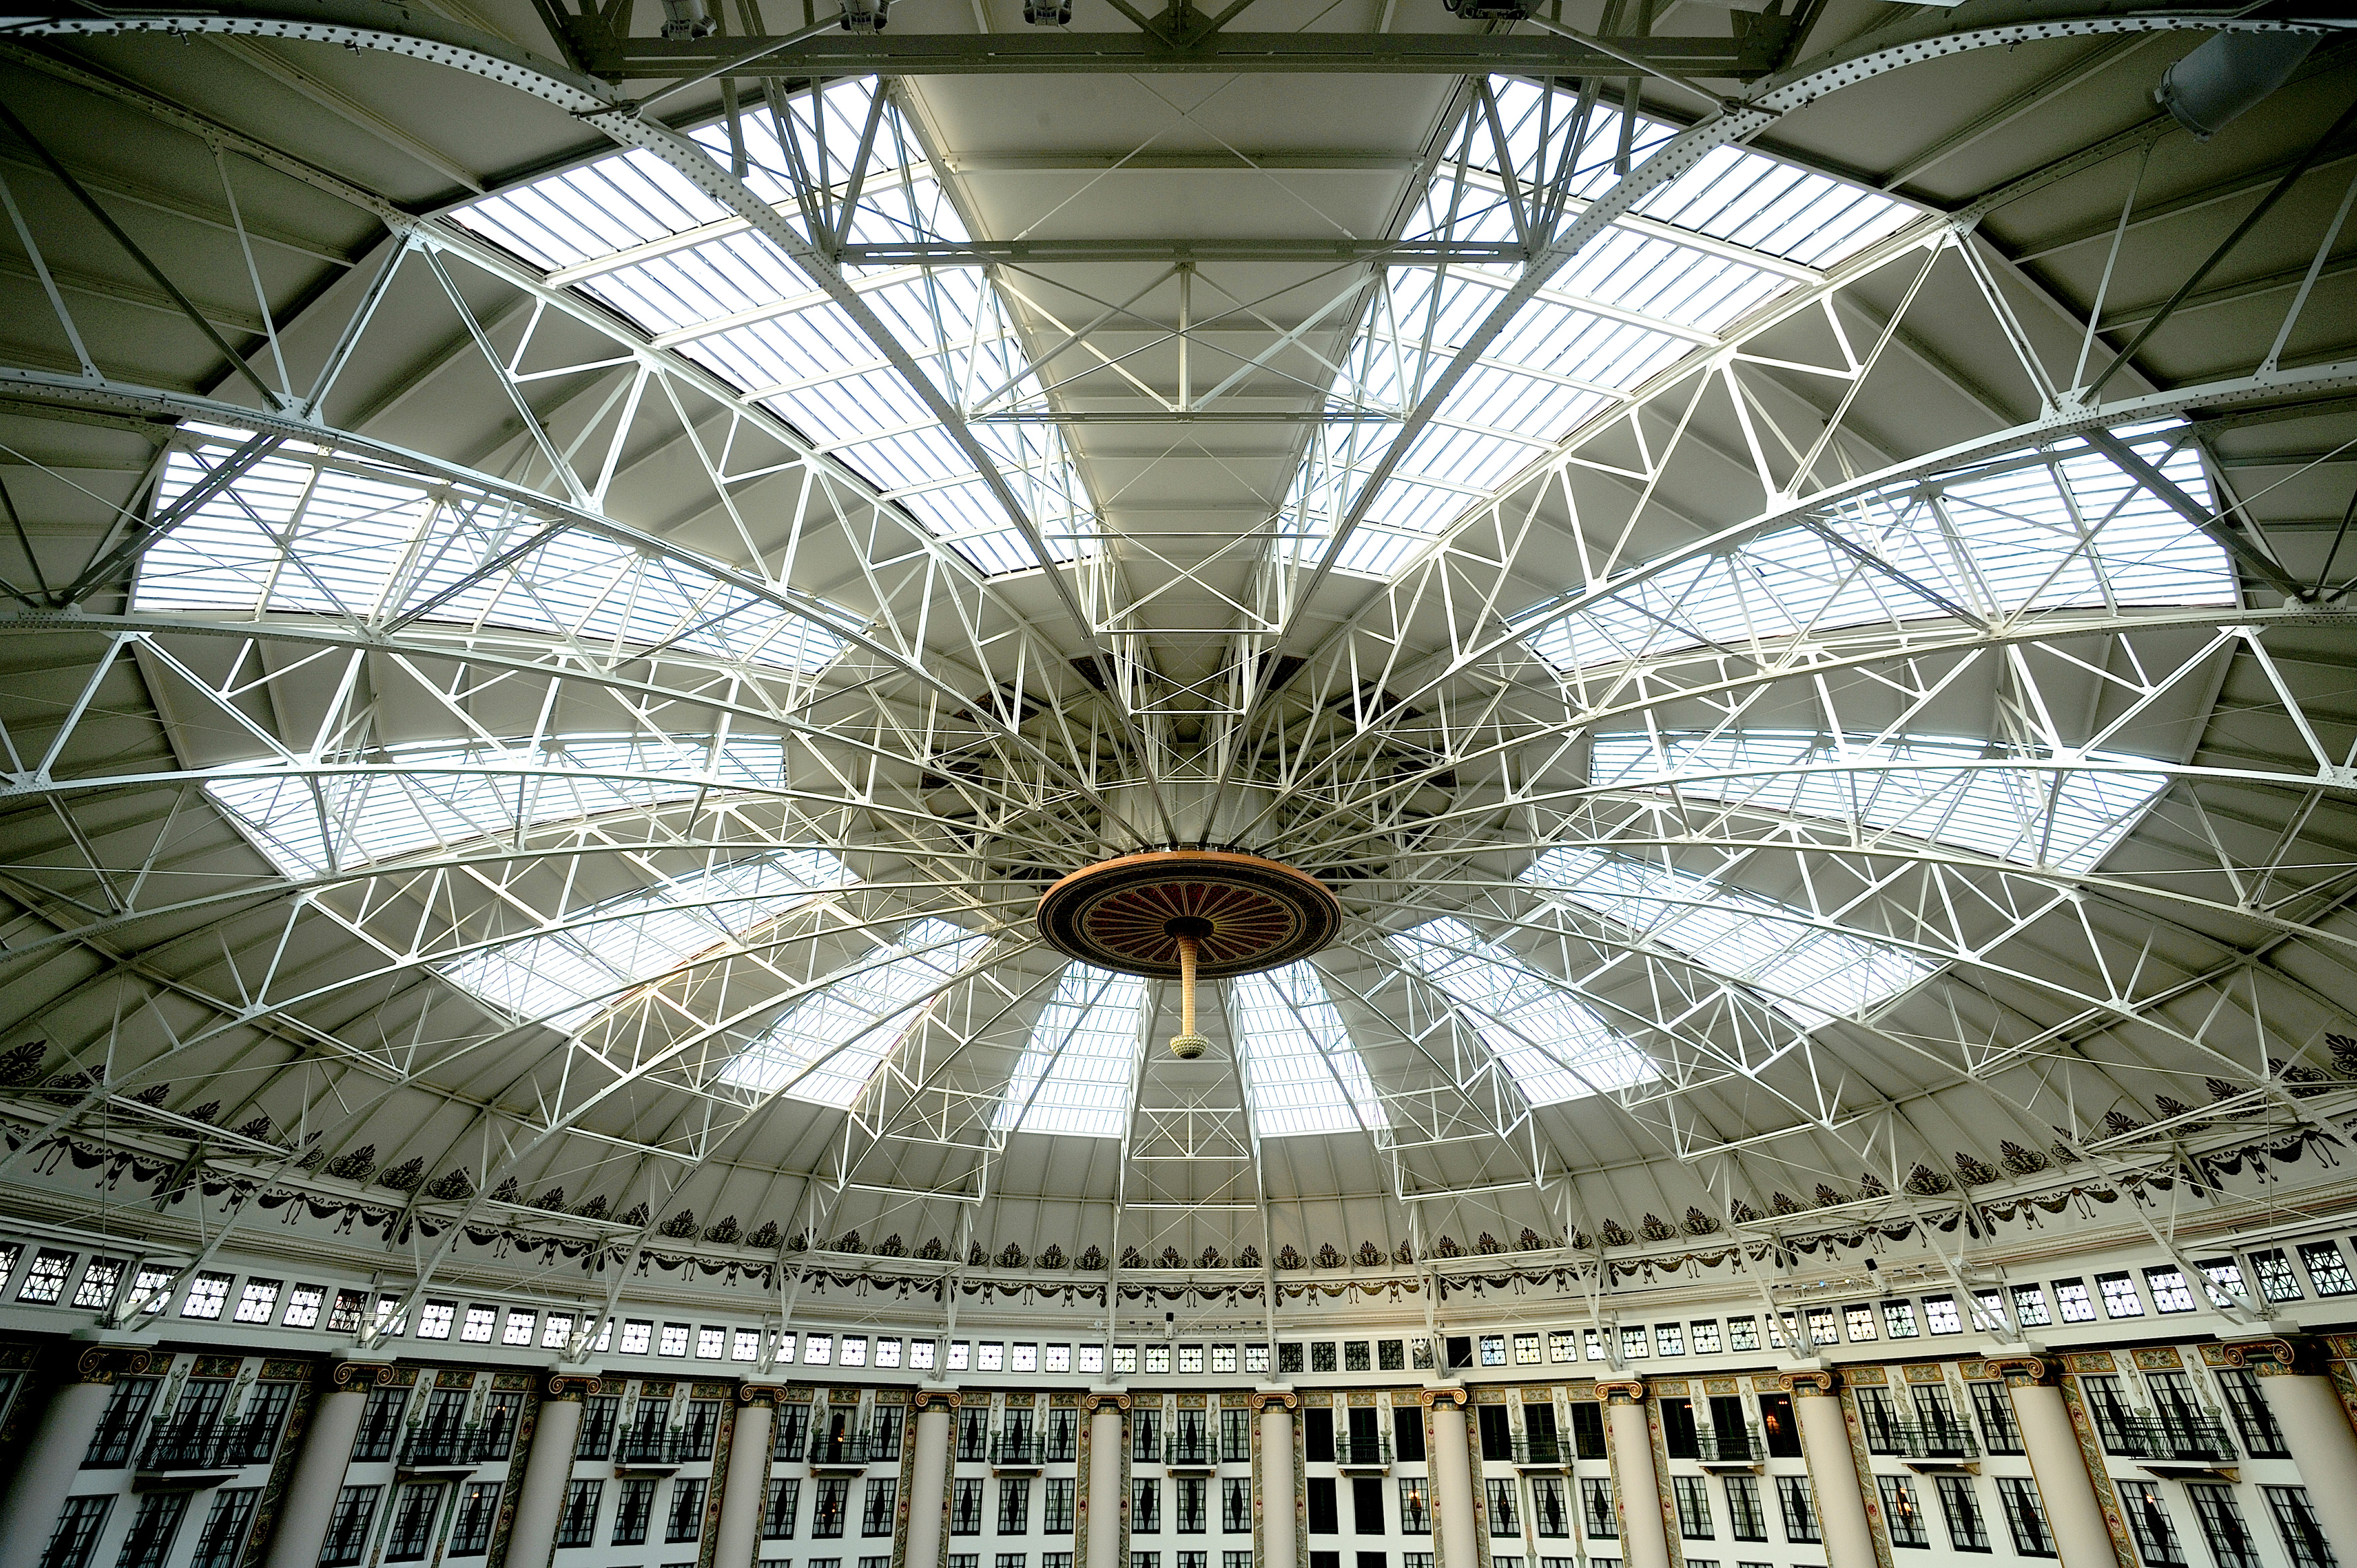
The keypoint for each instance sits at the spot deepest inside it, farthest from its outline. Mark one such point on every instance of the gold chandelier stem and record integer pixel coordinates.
(1186, 985)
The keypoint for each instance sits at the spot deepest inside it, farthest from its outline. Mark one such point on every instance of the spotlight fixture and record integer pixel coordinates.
(686, 20)
(865, 15)
(1047, 13)
(1488, 10)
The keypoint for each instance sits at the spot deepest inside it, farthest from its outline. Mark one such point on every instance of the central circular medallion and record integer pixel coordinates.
(1242, 913)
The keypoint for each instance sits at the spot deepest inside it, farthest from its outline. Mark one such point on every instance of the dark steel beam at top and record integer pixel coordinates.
(952, 54)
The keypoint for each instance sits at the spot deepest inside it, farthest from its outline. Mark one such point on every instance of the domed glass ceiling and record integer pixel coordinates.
(798, 949)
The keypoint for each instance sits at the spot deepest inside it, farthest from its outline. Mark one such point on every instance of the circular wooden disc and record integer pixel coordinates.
(1117, 914)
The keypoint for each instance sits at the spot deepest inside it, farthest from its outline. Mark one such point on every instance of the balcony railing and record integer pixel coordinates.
(1017, 1451)
(452, 1445)
(839, 1454)
(209, 1446)
(1542, 1452)
(1184, 1453)
(1730, 1445)
(649, 1445)
(1923, 1439)
(2179, 1439)
(1372, 1452)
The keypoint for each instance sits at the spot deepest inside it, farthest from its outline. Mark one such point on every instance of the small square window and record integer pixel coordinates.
(1419, 1354)
(818, 1350)
(1526, 1350)
(1321, 1356)
(1898, 1319)
(1669, 1340)
(206, 1294)
(605, 1336)
(1358, 1356)
(517, 1329)
(257, 1301)
(387, 1305)
(1059, 1358)
(674, 1340)
(2072, 1296)
(853, 1351)
(1704, 1332)
(2223, 1278)
(2277, 1281)
(2327, 1271)
(1822, 1329)
(1288, 1358)
(1255, 1357)
(303, 1305)
(745, 1344)
(1191, 1358)
(1742, 1334)
(1988, 1310)
(2120, 1297)
(1223, 1357)
(1391, 1355)
(989, 1356)
(2169, 1289)
(342, 1318)
(2030, 1306)
(479, 1324)
(1092, 1359)
(637, 1335)
(1562, 1345)
(782, 1352)
(1493, 1350)
(920, 1354)
(45, 1280)
(1858, 1322)
(556, 1331)
(1940, 1315)
(1025, 1358)
(1124, 1359)
(960, 1355)
(434, 1320)
(711, 1344)
(1633, 1345)
(888, 1352)
(1157, 1357)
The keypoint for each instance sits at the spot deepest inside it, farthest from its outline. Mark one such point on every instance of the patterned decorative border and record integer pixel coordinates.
(1916, 1372)
(282, 1466)
(1666, 1495)
(2108, 1496)
(715, 1492)
(1869, 1490)
(520, 1455)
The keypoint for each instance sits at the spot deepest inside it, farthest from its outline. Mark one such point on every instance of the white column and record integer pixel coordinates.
(310, 1499)
(50, 1461)
(2056, 1461)
(737, 1539)
(540, 1499)
(2315, 1427)
(1454, 1525)
(1280, 1501)
(1644, 1538)
(1106, 1500)
(1832, 1470)
(927, 1472)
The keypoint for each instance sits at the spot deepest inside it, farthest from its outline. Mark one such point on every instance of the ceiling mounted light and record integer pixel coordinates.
(2227, 76)
(1047, 13)
(865, 16)
(1175, 914)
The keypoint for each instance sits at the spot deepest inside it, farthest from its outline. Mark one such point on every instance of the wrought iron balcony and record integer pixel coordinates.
(1363, 1453)
(1927, 1440)
(839, 1454)
(648, 1446)
(1550, 1452)
(2181, 1439)
(1730, 1445)
(1017, 1451)
(1189, 1452)
(208, 1446)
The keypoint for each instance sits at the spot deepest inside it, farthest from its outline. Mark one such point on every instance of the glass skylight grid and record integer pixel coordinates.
(1960, 793)
(1556, 1046)
(826, 1047)
(414, 798)
(1303, 1072)
(565, 977)
(1813, 973)
(1075, 1072)
(2038, 531)
(627, 231)
(306, 533)
(1655, 288)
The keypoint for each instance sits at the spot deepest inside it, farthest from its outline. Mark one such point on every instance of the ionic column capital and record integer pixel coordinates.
(766, 1395)
(103, 1364)
(570, 1387)
(2276, 1356)
(1094, 1402)
(1264, 1400)
(2023, 1371)
(1432, 1398)
(1620, 1390)
(924, 1400)
(1820, 1382)
(359, 1377)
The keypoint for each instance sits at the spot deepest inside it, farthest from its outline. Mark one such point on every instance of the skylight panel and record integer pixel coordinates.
(1075, 1072)
(428, 797)
(701, 282)
(1813, 973)
(826, 1047)
(567, 976)
(305, 533)
(2035, 530)
(1655, 288)
(1557, 1047)
(1304, 1074)
(1959, 792)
